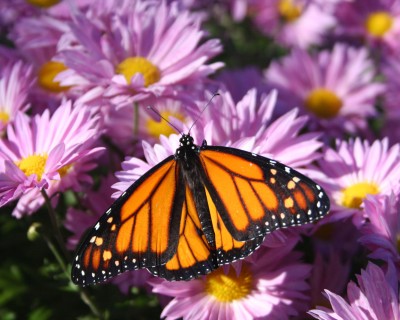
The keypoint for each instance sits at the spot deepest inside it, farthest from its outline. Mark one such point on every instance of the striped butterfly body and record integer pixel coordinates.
(195, 211)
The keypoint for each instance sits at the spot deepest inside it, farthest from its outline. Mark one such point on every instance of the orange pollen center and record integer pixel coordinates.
(156, 128)
(48, 71)
(288, 10)
(133, 65)
(4, 116)
(353, 196)
(378, 23)
(43, 3)
(34, 164)
(229, 287)
(323, 103)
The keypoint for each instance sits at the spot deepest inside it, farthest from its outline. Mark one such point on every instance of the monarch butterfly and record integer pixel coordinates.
(196, 210)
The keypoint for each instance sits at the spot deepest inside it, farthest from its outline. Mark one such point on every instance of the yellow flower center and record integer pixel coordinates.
(64, 170)
(4, 117)
(323, 103)
(133, 65)
(33, 164)
(229, 287)
(43, 3)
(48, 71)
(288, 10)
(353, 196)
(156, 128)
(378, 23)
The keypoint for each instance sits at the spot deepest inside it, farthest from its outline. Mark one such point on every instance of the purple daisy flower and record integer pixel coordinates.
(155, 51)
(376, 297)
(350, 174)
(15, 82)
(272, 284)
(51, 152)
(376, 22)
(382, 231)
(336, 88)
(297, 23)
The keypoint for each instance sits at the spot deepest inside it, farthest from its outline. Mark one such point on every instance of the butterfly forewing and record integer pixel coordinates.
(137, 231)
(255, 195)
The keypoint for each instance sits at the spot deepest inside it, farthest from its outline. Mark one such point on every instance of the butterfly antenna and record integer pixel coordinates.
(205, 107)
(166, 120)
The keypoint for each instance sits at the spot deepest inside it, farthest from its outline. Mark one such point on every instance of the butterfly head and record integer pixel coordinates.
(187, 148)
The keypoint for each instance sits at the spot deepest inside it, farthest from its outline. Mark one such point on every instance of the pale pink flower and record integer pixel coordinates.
(46, 152)
(15, 82)
(376, 297)
(336, 88)
(355, 169)
(155, 52)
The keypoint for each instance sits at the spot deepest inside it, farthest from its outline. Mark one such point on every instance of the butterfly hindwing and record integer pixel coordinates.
(195, 256)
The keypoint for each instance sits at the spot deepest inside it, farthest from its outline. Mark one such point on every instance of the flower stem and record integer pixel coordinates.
(54, 224)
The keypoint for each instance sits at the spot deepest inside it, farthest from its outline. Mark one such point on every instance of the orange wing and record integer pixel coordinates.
(255, 195)
(137, 231)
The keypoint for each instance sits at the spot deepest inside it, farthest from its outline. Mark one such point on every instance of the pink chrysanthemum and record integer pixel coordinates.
(355, 169)
(335, 87)
(376, 297)
(382, 231)
(15, 83)
(50, 152)
(155, 51)
(297, 23)
(377, 22)
(272, 284)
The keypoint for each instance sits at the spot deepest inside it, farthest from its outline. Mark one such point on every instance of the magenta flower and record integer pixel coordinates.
(350, 174)
(271, 284)
(336, 88)
(15, 82)
(155, 51)
(376, 22)
(382, 231)
(297, 23)
(51, 152)
(376, 297)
